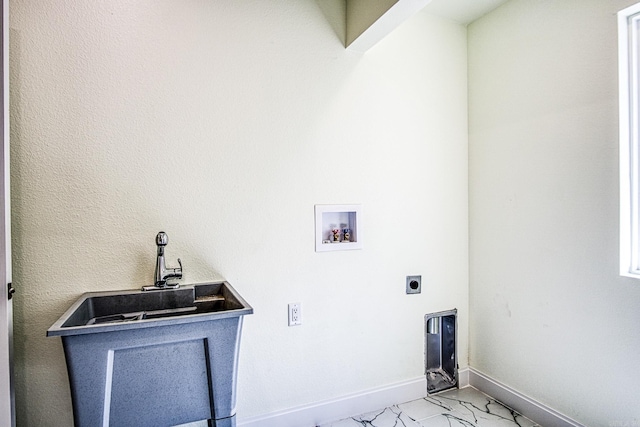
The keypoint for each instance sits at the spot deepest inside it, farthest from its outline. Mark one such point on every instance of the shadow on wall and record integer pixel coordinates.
(336, 13)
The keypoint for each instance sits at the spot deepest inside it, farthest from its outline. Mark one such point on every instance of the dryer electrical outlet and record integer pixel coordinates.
(414, 284)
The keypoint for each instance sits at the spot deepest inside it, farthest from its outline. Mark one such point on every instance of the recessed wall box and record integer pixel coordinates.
(338, 227)
(440, 351)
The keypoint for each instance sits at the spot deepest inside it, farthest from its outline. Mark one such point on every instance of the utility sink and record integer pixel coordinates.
(104, 311)
(154, 358)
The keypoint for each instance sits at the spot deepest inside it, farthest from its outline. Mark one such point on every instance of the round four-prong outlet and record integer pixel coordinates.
(414, 284)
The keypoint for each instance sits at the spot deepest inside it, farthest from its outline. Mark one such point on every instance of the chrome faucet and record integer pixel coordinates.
(162, 273)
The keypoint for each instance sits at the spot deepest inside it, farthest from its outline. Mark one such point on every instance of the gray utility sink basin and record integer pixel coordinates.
(154, 358)
(99, 311)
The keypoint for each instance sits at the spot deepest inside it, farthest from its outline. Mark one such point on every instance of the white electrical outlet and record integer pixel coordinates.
(295, 314)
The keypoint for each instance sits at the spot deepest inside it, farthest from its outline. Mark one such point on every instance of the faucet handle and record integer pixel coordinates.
(173, 273)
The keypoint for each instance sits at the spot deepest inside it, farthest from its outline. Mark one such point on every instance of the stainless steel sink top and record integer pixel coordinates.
(129, 309)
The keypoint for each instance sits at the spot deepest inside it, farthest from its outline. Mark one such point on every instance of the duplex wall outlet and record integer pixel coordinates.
(295, 314)
(414, 284)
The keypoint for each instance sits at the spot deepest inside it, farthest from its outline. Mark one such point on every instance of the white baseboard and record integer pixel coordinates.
(528, 407)
(342, 407)
(370, 400)
(463, 378)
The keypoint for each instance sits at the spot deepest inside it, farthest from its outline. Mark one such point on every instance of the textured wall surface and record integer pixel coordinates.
(223, 123)
(550, 316)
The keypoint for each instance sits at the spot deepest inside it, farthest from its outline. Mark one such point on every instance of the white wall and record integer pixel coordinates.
(223, 123)
(550, 316)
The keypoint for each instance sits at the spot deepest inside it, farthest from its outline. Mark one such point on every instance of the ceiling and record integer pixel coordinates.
(366, 26)
(462, 11)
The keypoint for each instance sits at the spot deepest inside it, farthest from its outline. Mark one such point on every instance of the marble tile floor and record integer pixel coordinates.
(465, 407)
